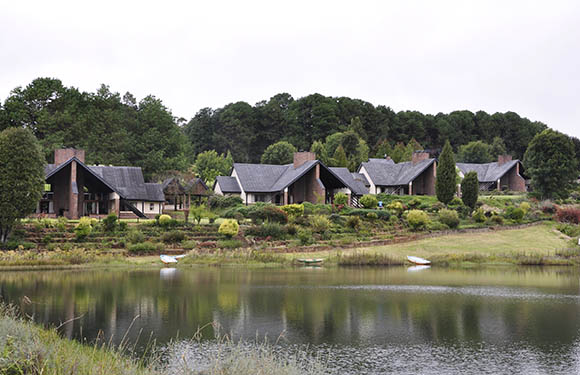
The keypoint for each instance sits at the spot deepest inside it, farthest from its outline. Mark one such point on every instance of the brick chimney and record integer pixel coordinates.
(302, 157)
(419, 156)
(502, 159)
(64, 154)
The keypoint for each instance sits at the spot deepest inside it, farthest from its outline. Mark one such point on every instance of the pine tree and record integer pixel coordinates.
(339, 158)
(445, 182)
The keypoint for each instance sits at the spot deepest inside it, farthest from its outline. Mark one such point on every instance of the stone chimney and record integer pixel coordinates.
(419, 156)
(64, 154)
(502, 159)
(302, 157)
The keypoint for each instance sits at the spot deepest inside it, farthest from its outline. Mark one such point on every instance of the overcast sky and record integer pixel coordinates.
(431, 56)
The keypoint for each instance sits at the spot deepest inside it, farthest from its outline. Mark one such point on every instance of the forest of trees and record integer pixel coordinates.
(116, 129)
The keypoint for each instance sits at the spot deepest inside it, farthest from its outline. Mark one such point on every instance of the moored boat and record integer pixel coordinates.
(311, 260)
(418, 261)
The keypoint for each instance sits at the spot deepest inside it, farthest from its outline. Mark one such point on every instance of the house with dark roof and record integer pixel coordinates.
(415, 177)
(305, 180)
(74, 189)
(505, 174)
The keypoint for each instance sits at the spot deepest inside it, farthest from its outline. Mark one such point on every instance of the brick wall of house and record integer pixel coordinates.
(425, 183)
(419, 156)
(302, 157)
(63, 154)
(513, 180)
(308, 187)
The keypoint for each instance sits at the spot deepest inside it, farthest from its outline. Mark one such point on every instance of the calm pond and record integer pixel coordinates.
(359, 321)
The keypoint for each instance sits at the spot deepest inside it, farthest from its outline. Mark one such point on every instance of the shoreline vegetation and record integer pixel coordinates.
(29, 348)
(539, 243)
(500, 229)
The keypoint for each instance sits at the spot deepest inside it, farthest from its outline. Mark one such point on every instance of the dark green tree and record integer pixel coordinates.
(320, 151)
(470, 189)
(21, 177)
(339, 158)
(383, 149)
(446, 175)
(551, 163)
(497, 148)
(474, 152)
(279, 153)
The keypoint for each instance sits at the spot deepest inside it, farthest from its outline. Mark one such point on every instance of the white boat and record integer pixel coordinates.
(418, 261)
(168, 259)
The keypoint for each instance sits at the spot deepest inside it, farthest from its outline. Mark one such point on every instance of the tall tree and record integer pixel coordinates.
(446, 175)
(279, 153)
(474, 152)
(339, 158)
(320, 151)
(209, 165)
(21, 177)
(497, 148)
(551, 163)
(470, 189)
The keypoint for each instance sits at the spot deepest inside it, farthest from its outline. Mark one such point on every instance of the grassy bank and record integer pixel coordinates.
(26, 348)
(539, 244)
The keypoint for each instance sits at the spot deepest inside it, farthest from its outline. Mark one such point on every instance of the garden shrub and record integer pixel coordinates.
(123, 226)
(449, 218)
(165, 220)
(479, 216)
(145, 247)
(496, 219)
(222, 201)
(340, 199)
(514, 213)
(229, 228)
(369, 201)
(336, 219)
(135, 236)
(272, 230)
(305, 237)
(353, 222)
(319, 223)
(396, 207)
(321, 209)
(372, 215)
(568, 215)
(188, 244)
(197, 213)
(293, 210)
(569, 230)
(525, 206)
(308, 208)
(548, 207)
(436, 207)
(414, 203)
(267, 212)
(436, 226)
(291, 229)
(470, 189)
(229, 244)
(417, 219)
(110, 223)
(174, 236)
(456, 201)
(83, 228)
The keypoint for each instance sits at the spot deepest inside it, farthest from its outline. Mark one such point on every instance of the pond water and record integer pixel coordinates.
(358, 320)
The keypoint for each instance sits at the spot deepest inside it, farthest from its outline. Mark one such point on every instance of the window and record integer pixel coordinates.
(151, 206)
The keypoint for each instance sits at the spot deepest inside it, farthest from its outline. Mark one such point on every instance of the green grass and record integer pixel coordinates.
(27, 348)
(538, 244)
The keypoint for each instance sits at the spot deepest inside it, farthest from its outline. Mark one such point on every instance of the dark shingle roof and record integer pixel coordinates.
(361, 177)
(268, 178)
(228, 184)
(385, 172)
(129, 182)
(488, 172)
(356, 186)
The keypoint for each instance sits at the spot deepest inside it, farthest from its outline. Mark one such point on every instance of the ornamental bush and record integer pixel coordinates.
(479, 216)
(449, 218)
(446, 175)
(293, 210)
(305, 237)
(514, 213)
(319, 223)
(369, 201)
(220, 201)
(267, 212)
(396, 207)
(164, 220)
(229, 228)
(174, 236)
(568, 215)
(340, 199)
(417, 219)
(272, 230)
(470, 189)
(110, 222)
(83, 228)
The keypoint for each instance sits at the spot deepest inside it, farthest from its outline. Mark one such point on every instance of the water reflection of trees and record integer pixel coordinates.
(315, 307)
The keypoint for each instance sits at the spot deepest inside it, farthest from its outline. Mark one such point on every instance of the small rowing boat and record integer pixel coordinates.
(418, 261)
(311, 261)
(169, 259)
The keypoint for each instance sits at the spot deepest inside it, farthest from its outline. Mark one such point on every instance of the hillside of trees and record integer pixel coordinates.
(116, 129)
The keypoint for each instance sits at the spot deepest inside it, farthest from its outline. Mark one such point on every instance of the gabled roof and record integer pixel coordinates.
(385, 172)
(269, 178)
(487, 172)
(227, 184)
(361, 177)
(128, 182)
(355, 185)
